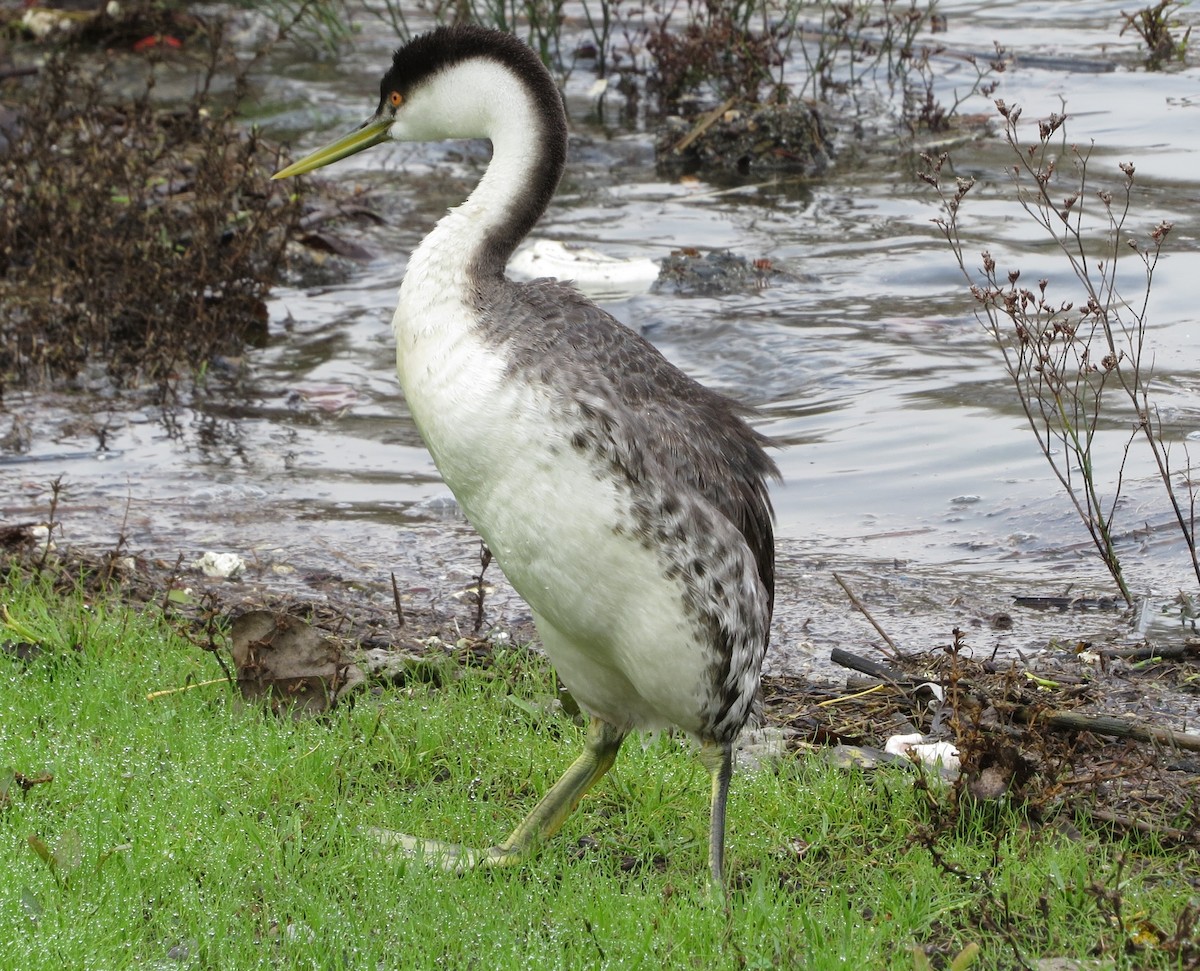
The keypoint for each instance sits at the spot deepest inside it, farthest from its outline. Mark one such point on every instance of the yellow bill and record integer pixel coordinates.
(370, 134)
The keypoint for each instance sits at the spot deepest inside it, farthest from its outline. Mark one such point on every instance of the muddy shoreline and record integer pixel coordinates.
(1026, 728)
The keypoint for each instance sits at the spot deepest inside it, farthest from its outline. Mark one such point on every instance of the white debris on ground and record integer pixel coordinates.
(942, 756)
(226, 565)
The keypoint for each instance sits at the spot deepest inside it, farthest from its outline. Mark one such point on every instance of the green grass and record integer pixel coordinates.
(192, 831)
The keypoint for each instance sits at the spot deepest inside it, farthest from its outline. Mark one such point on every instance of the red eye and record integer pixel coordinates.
(396, 98)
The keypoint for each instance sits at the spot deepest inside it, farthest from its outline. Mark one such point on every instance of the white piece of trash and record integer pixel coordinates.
(596, 274)
(942, 756)
(227, 565)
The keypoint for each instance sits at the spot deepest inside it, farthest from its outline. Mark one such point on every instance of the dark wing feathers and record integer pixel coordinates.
(651, 411)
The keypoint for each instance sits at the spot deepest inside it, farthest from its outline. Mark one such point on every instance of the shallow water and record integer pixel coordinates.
(907, 463)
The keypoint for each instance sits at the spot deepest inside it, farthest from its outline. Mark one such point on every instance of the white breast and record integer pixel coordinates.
(613, 623)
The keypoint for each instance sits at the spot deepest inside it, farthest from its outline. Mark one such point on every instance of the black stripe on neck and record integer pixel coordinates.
(426, 55)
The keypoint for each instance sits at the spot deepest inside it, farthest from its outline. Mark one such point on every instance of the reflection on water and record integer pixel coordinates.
(899, 440)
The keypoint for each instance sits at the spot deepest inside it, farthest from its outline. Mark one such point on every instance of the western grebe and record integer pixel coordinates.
(624, 501)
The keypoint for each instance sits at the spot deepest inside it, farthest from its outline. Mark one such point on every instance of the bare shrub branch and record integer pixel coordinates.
(1074, 363)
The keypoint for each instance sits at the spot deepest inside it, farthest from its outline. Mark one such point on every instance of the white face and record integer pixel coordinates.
(477, 98)
(467, 100)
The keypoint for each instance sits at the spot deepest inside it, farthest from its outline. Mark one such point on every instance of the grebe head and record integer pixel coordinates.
(458, 82)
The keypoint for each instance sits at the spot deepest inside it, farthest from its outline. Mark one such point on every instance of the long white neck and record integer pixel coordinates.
(471, 244)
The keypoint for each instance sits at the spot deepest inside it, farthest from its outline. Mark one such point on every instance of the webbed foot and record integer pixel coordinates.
(452, 857)
(599, 753)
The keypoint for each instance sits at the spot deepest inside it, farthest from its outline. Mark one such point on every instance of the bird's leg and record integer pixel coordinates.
(546, 818)
(718, 759)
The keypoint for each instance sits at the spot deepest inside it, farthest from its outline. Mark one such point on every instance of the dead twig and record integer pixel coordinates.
(1128, 822)
(56, 490)
(187, 687)
(706, 121)
(1164, 652)
(114, 555)
(861, 608)
(1107, 725)
(485, 559)
(873, 669)
(396, 601)
(169, 587)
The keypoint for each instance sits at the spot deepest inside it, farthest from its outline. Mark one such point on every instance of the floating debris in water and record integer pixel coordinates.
(688, 271)
(747, 140)
(595, 274)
